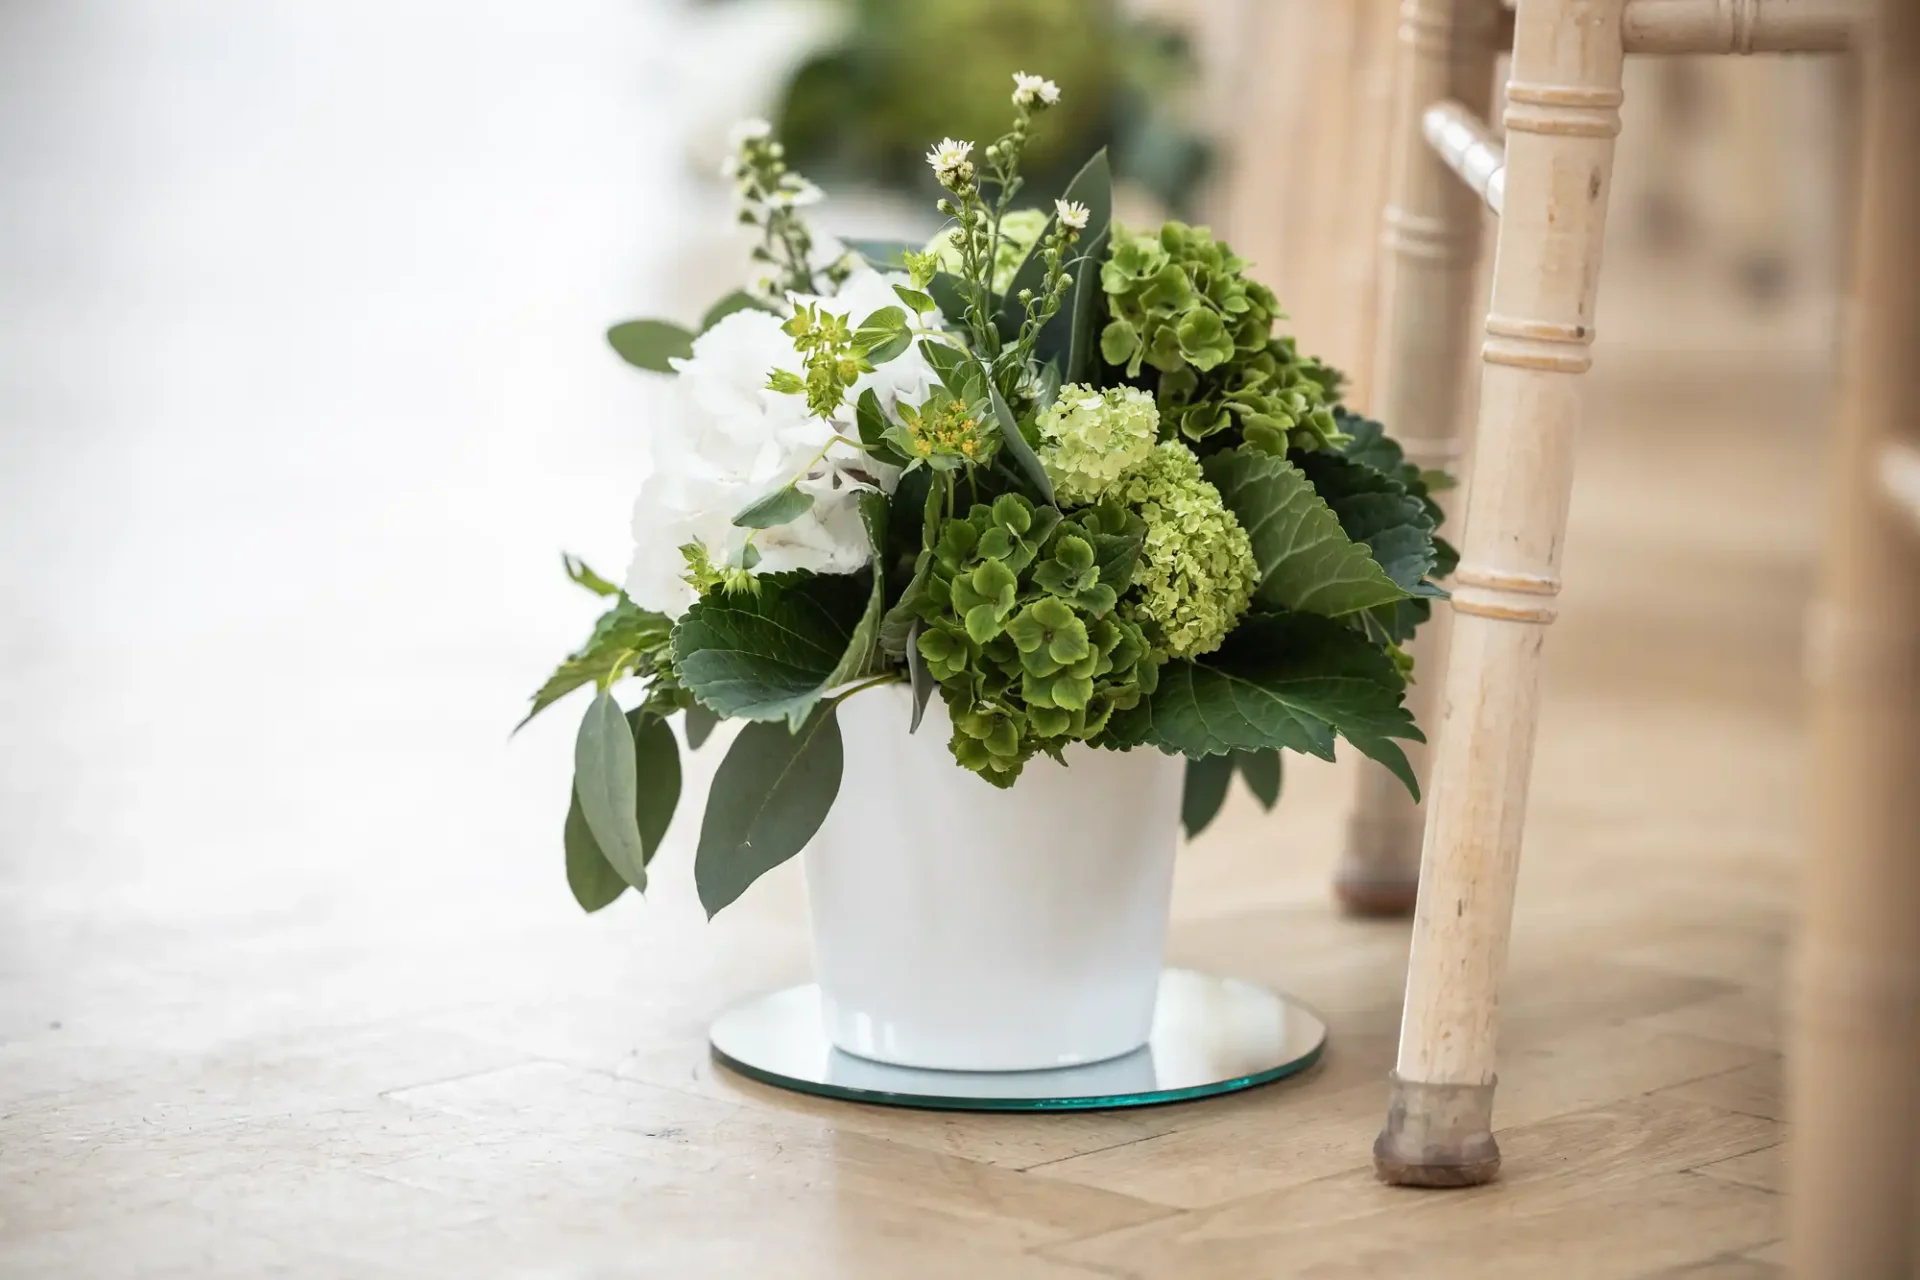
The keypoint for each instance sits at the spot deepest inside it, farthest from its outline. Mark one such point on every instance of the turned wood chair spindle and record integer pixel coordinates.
(1549, 182)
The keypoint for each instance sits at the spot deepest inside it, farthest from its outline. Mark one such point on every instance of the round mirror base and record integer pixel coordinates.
(1211, 1035)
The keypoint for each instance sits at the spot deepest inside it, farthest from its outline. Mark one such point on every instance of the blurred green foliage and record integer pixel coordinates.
(909, 72)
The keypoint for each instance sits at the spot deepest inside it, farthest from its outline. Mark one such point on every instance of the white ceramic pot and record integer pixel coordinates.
(961, 927)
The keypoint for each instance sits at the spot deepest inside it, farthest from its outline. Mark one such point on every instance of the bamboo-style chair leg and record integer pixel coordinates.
(1855, 1091)
(1563, 112)
(1430, 234)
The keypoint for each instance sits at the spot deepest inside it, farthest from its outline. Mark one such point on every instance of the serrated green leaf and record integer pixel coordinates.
(650, 344)
(700, 724)
(1307, 563)
(578, 572)
(782, 506)
(773, 655)
(1261, 769)
(592, 878)
(738, 300)
(622, 634)
(1293, 681)
(604, 777)
(1377, 509)
(1026, 462)
(1206, 791)
(769, 796)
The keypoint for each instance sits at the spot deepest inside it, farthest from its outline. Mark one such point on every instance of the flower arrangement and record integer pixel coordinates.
(1059, 473)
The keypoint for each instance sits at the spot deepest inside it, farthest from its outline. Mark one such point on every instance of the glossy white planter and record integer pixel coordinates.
(960, 927)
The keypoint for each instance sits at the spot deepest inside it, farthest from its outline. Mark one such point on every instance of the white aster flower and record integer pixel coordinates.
(949, 156)
(1071, 213)
(749, 130)
(797, 193)
(1030, 89)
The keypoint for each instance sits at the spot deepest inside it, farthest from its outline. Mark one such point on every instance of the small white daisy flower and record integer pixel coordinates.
(797, 193)
(1030, 89)
(1071, 214)
(746, 131)
(949, 157)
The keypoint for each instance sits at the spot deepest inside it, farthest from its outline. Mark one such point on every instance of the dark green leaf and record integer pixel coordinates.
(656, 774)
(958, 370)
(591, 877)
(769, 796)
(700, 725)
(1307, 562)
(738, 300)
(604, 777)
(771, 656)
(649, 344)
(1093, 187)
(577, 571)
(917, 672)
(1375, 508)
(1261, 769)
(884, 255)
(1207, 779)
(1026, 462)
(1289, 681)
(1084, 310)
(782, 506)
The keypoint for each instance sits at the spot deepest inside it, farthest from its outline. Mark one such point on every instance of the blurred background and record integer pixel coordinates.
(303, 390)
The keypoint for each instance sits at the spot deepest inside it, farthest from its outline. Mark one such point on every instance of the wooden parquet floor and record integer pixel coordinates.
(290, 983)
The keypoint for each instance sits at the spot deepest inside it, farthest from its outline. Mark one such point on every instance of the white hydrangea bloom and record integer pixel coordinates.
(725, 441)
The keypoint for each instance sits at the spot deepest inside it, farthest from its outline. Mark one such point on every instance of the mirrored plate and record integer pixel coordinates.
(1210, 1035)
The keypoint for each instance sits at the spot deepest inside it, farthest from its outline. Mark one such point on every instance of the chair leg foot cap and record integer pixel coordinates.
(1437, 1135)
(1395, 1171)
(1376, 899)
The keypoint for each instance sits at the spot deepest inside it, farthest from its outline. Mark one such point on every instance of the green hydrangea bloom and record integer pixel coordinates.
(1090, 438)
(1019, 230)
(1182, 303)
(1023, 632)
(1196, 572)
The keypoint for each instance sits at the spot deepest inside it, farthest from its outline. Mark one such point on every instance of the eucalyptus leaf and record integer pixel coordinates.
(738, 300)
(923, 681)
(656, 777)
(1093, 187)
(1306, 560)
(1206, 791)
(1293, 681)
(1261, 769)
(619, 638)
(782, 506)
(1026, 462)
(650, 344)
(769, 796)
(884, 255)
(604, 777)
(592, 878)
(700, 724)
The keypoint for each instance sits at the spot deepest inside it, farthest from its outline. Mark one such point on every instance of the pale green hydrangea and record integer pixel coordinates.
(1090, 438)
(1018, 232)
(1196, 572)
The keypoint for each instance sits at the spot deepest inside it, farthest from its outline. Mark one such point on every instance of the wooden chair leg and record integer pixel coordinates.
(1855, 1090)
(1563, 112)
(1430, 237)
